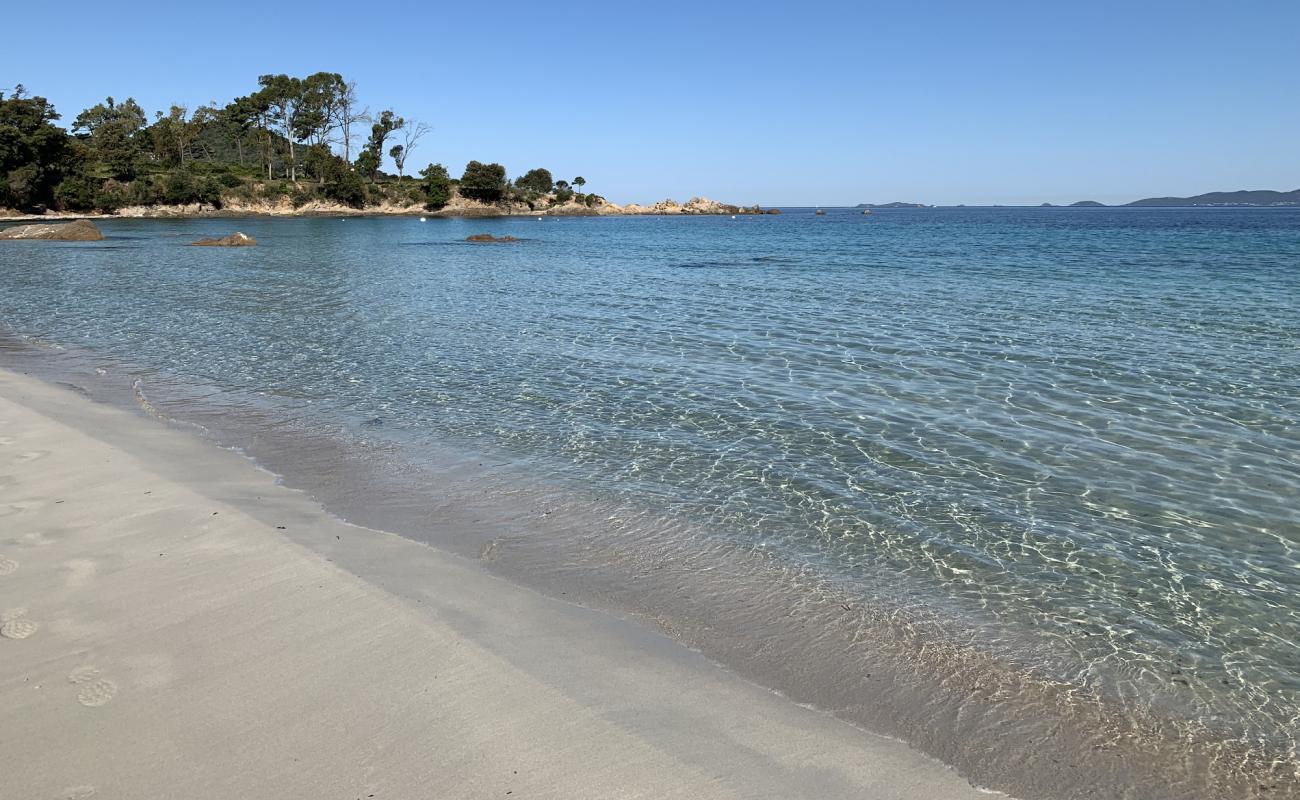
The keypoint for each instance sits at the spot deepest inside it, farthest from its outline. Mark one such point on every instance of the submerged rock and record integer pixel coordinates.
(487, 237)
(235, 239)
(82, 230)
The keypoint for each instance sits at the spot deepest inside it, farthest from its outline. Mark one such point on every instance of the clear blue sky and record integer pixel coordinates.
(825, 103)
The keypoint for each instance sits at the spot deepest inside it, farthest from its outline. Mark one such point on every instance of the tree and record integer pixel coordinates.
(322, 97)
(173, 134)
(342, 183)
(348, 113)
(580, 182)
(412, 132)
(485, 182)
(112, 132)
(35, 154)
(286, 102)
(379, 133)
(536, 180)
(367, 163)
(436, 185)
(252, 113)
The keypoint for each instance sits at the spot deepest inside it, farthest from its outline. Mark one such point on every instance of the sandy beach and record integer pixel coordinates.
(177, 624)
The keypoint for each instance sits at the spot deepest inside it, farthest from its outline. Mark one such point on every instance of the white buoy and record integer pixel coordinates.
(733, 216)
(539, 219)
(422, 219)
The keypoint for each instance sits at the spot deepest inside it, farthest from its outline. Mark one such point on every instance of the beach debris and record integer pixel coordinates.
(487, 237)
(82, 230)
(235, 239)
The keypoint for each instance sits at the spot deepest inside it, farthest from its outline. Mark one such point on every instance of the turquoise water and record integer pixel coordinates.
(1075, 431)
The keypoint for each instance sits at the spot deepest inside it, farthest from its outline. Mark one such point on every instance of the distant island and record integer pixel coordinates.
(892, 205)
(1258, 197)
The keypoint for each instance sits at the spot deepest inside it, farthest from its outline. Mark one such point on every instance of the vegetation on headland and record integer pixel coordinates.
(292, 140)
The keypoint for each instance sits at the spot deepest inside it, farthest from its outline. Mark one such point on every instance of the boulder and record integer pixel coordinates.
(83, 230)
(487, 237)
(233, 240)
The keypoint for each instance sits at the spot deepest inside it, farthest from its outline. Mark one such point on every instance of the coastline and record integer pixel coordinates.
(183, 624)
(457, 207)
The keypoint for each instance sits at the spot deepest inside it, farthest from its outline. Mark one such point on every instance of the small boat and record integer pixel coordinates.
(820, 213)
(866, 211)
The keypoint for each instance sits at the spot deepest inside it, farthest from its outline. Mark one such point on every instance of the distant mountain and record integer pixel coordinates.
(1087, 204)
(891, 205)
(1242, 198)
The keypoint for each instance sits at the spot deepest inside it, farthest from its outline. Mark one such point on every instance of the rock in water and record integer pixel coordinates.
(233, 240)
(487, 237)
(82, 230)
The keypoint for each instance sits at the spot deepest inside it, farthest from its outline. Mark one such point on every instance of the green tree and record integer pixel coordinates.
(343, 184)
(35, 154)
(112, 131)
(322, 102)
(371, 158)
(536, 180)
(367, 163)
(485, 182)
(251, 115)
(173, 135)
(288, 108)
(580, 182)
(436, 185)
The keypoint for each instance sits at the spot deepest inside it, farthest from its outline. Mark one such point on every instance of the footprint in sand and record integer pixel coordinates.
(83, 674)
(18, 628)
(31, 455)
(5, 441)
(7, 566)
(97, 693)
(77, 793)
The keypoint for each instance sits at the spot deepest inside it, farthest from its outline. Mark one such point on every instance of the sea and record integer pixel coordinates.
(1019, 486)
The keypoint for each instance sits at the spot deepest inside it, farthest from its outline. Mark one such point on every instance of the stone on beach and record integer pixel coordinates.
(236, 239)
(82, 230)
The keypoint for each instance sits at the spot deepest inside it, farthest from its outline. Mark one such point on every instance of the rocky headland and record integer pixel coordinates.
(457, 207)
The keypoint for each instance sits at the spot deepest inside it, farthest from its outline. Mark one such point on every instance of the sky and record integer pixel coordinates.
(829, 103)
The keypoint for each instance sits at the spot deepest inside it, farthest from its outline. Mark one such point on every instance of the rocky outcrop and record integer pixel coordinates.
(487, 237)
(235, 239)
(83, 230)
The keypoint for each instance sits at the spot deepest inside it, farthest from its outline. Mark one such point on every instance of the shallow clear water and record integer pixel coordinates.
(1077, 430)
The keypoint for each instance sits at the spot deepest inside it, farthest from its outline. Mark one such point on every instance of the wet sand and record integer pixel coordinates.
(177, 624)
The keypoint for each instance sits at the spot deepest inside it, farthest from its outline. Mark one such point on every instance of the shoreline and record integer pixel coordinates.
(457, 208)
(183, 624)
(920, 681)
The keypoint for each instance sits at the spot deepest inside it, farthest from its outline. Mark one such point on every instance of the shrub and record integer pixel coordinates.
(230, 181)
(435, 186)
(343, 185)
(535, 182)
(75, 193)
(112, 196)
(484, 182)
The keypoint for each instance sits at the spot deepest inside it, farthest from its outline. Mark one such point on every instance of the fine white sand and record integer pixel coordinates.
(164, 637)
